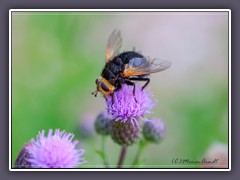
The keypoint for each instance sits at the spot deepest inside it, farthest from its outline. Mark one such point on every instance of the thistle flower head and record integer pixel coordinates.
(21, 161)
(125, 134)
(154, 130)
(124, 107)
(54, 151)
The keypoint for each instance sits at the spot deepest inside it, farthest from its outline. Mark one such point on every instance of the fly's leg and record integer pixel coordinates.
(118, 87)
(112, 95)
(147, 80)
(132, 84)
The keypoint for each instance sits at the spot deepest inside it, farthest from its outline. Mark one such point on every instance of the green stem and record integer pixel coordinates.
(141, 147)
(122, 156)
(105, 161)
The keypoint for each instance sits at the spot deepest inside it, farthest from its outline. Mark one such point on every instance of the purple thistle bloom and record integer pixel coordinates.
(21, 161)
(55, 151)
(124, 107)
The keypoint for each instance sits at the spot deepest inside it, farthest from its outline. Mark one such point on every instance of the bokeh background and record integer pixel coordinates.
(56, 57)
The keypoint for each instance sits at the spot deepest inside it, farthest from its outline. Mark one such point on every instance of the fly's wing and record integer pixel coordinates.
(144, 66)
(114, 44)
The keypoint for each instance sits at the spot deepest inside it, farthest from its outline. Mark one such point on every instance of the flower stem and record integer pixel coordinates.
(141, 146)
(122, 156)
(105, 161)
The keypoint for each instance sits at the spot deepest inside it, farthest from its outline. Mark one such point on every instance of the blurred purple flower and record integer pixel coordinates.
(154, 130)
(86, 125)
(103, 123)
(124, 107)
(54, 151)
(216, 156)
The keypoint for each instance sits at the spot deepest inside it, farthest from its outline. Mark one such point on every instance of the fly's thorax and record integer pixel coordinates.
(111, 70)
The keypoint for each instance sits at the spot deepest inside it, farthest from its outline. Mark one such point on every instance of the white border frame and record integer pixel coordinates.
(120, 10)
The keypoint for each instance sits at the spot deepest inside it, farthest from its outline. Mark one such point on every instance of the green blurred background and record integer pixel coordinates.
(56, 57)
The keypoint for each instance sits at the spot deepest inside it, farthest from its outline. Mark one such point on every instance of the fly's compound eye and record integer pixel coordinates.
(104, 87)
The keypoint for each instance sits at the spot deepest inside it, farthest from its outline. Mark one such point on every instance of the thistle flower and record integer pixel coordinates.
(124, 106)
(102, 124)
(21, 161)
(126, 112)
(126, 133)
(154, 130)
(53, 151)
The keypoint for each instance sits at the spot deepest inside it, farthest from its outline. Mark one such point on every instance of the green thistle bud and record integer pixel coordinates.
(125, 133)
(102, 124)
(154, 130)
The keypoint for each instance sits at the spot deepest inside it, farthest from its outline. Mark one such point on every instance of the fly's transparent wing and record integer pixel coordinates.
(157, 65)
(114, 45)
(145, 65)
